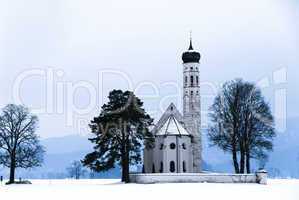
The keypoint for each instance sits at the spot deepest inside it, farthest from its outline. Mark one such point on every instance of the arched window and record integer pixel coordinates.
(153, 169)
(191, 93)
(191, 80)
(161, 146)
(161, 167)
(172, 146)
(184, 166)
(186, 80)
(172, 166)
(184, 146)
(143, 169)
(196, 80)
(191, 68)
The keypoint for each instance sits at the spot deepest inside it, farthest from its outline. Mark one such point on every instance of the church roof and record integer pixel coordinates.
(172, 127)
(171, 123)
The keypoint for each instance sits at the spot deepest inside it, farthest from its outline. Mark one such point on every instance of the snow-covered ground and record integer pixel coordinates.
(113, 189)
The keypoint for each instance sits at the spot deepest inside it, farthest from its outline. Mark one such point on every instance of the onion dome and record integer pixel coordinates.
(191, 56)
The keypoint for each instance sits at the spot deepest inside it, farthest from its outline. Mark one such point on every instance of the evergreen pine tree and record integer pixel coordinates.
(119, 133)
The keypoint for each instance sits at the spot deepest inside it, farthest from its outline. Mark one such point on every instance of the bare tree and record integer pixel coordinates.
(225, 118)
(19, 145)
(242, 123)
(76, 170)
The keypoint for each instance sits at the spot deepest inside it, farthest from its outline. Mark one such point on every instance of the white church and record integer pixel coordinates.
(176, 155)
(177, 147)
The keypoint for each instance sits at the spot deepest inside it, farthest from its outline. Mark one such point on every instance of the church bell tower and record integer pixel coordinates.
(191, 102)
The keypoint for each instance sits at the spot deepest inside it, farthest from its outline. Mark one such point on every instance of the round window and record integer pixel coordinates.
(172, 146)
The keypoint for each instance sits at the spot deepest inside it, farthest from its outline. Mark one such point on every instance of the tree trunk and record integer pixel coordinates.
(12, 170)
(234, 152)
(125, 165)
(242, 163)
(235, 161)
(242, 159)
(247, 146)
(248, 161)
(243, 143)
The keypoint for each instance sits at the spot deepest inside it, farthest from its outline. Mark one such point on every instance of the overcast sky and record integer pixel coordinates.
(142, 41)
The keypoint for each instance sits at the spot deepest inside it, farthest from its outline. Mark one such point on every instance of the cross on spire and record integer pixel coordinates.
(190, 45)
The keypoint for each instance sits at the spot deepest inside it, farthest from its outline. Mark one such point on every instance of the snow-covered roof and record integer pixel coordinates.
(172, 127)
(170, 123)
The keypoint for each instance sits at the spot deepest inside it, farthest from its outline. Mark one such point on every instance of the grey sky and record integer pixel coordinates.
(247, 39)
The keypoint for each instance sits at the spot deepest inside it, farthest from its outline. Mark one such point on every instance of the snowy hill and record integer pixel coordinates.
(113, 189)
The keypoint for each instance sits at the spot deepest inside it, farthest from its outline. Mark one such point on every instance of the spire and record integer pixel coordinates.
(190, 45)
(191, 56)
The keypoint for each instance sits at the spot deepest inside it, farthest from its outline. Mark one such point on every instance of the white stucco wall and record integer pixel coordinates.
(259, 177)
(166, 155)
(191, 110)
